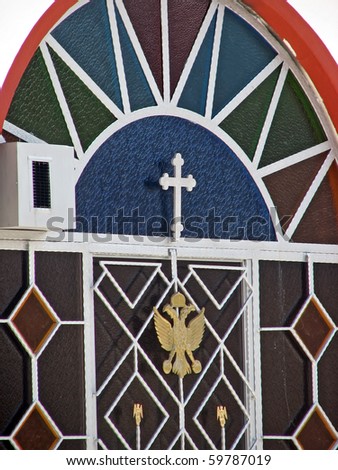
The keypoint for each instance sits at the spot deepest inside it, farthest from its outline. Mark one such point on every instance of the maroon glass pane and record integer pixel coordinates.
(36, 433)
(313, 328)
(146, 20)
(316, 434)
(289, 186)
(185, 19)
(320, 222)
(34, 321)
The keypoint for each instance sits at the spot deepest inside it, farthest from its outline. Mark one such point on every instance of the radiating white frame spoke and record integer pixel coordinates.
(84, 77)
(62, 100)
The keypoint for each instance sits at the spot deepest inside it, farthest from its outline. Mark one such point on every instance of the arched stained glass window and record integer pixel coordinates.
(130, 84)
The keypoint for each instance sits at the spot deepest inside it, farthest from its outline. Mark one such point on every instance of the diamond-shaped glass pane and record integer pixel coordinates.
(313, 327)
(34, 321)
(36, 432)
(316, 434)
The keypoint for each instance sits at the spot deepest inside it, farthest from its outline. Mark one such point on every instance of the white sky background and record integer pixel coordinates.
(17, 17)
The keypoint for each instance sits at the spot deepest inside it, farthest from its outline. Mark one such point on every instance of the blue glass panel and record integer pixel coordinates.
(243, 54)
(86, 36)
(140, 95)
(194, 95)
(119, 191)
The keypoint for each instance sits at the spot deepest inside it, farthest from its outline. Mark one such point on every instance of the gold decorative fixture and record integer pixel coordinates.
(177, 338)
(138, 413)
(222, 415)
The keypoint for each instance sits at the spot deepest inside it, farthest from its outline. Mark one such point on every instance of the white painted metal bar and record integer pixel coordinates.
(270, 115)
(247, 90)
(293, 159)
(309, 195)
(118, 56)
(139, 52)
(165, 51)
(214, 62)
(89, 351)
(62, 100)
(86, 79)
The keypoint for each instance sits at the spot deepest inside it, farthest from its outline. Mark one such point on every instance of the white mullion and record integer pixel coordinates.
(89, 351)
(270, 115)
(193, 54)
(86, 79)
(62, 100)
(118, 56)
(139, 52)
(247, 90)
(255, 280)
(21, 133)
(165, 50)
(293, 159)
(309, 196)
(214, 62)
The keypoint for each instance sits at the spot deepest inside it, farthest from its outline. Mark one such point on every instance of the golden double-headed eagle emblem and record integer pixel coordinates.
(177, 337)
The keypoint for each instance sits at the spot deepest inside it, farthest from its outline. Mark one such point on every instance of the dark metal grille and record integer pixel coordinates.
(41, 185)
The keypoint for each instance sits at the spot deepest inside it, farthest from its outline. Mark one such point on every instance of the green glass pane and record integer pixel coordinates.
(89, 114)
(245, 123)
(35, 107)
(295, 126)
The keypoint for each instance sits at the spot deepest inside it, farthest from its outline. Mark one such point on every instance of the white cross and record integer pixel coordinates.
(177, 182)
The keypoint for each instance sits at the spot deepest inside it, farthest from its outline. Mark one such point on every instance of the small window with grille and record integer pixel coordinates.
(41, 185)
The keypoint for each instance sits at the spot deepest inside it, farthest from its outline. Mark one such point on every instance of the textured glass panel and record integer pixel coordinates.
(35, 107)
(86, 36)
(243, 54)
(137, 156)
(14, 384)
(320, 223)
(245, 123)
(34, 321)
(328, 380)
(140, 95)
(13, 280)
(185, 19)
(286, 383)
(295, 126)
(313, 328)
(61, 379)
(288, 187)
(59, 276)
(283, 291)
(146, 19)
(36, 432)
(195, 92)
(316, 434)
(90, 116)
(326, 276)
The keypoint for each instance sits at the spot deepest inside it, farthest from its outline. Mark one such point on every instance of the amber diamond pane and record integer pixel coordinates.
(313, 328)
(34, 321)
(36, 433)
(316, 434)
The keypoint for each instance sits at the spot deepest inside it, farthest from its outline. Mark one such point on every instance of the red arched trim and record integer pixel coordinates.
(42, 27)
(311, 52)
(278, 14)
